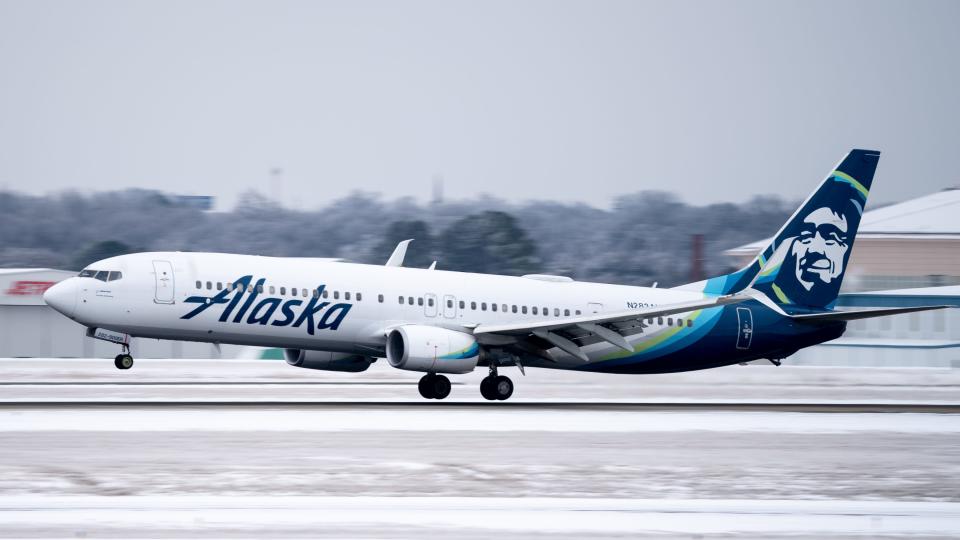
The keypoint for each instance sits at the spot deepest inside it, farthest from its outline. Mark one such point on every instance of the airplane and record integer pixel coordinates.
(328, 314)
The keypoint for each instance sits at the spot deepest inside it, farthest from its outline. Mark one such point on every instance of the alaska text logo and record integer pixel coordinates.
(315, 314)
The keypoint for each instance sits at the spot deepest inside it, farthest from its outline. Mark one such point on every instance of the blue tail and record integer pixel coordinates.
(804, 264)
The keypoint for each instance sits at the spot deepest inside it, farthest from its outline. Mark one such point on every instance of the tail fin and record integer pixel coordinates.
(805, 262)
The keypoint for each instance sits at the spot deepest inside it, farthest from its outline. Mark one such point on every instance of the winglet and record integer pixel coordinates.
(396, 259)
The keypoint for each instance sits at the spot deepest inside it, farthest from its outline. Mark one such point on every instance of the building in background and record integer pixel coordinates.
(30, 328)
(910, 245)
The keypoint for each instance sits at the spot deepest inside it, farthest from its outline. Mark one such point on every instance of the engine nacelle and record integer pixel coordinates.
(432, 349)
(327, 361)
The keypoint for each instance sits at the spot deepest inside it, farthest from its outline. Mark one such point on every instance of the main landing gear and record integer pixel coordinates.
(124, 360)
(433, 386)
(496, 387)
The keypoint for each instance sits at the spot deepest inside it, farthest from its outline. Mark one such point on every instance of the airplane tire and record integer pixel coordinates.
(123, 361)
(426, 386)
(441, 387)
(502, 388)
(486, 388)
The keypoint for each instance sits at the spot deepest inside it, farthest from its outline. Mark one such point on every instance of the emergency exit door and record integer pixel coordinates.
(163, 277)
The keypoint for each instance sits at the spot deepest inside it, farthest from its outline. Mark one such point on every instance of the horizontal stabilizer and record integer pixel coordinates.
(852, 315)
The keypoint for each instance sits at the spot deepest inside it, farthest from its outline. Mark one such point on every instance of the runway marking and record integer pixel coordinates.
(884, 408)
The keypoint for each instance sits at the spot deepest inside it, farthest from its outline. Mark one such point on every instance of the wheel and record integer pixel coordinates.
(486, 388)
(441, 387)
(426, 386)
(123, 361)
(502, 388)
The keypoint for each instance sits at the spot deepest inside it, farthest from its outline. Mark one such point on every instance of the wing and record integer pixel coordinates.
(571, 333)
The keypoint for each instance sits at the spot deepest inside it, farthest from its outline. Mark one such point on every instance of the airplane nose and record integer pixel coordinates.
(63, 297)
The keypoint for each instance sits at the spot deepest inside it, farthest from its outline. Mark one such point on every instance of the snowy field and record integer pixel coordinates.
(282, 452)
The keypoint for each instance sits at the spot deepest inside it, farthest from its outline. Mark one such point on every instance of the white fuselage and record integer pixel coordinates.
(157, 290)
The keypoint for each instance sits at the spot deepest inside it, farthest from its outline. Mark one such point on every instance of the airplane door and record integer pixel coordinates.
(449, 306)
(163, 275)
(745, 321)
(430, 307)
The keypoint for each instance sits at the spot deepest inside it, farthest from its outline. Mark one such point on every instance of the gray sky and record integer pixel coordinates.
(575, 101)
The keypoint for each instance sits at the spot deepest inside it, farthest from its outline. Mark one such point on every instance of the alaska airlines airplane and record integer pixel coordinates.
(332, 315)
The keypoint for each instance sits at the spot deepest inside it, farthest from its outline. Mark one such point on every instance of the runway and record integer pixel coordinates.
(572, 457)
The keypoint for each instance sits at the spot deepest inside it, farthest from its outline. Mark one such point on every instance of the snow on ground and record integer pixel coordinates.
(349, 468)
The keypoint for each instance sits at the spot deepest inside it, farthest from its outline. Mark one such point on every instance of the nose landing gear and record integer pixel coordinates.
(124, 360)
(433, 386)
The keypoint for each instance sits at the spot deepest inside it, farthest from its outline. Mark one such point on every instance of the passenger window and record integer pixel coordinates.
(272, 289)
(660, 321)
(534, 310)
(566, 313)
(304, 293)
(513, 308)
(430, 302)
(556, 312)
(346, 295)
(229, 286)
(483, 306)
(462, 304)
(493, 307)
(410, 300)
(316, 293)
(336, 295)
(473, 305)
(578, 312)
(450, 304)
(523, 309)
(326, 294)
(283, 291)
(359, 298)
(209, 285)
(250, 289)
(259, 289)
(503, 307)
(219, 285)
(380, 298)
(689, 323)
(401, 300)
(199, 284)
(419, 300)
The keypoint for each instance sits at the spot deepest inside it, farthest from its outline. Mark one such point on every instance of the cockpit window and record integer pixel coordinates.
(87, 273)
(101, 275)
(113, 276)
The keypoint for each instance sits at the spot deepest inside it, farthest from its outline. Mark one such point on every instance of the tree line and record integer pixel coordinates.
(642, 238)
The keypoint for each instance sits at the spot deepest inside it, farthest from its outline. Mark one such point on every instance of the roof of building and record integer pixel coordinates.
(932, 216)
(7, 271)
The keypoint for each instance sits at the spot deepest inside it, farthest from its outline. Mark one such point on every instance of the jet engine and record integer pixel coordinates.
(327, 361)
(432, 349)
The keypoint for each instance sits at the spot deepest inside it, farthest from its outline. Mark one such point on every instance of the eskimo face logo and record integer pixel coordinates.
(820, 249)
(315, 315)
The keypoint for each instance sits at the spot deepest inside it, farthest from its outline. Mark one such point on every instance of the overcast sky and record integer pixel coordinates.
(574, 101)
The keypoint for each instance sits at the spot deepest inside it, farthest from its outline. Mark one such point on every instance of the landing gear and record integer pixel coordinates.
(123, 361)
(496, 387)
(433, 386)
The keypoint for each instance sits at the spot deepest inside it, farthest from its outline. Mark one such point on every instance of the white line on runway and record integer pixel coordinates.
(533, 515)
(215, 419)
